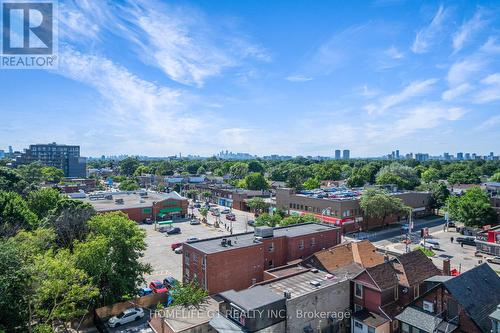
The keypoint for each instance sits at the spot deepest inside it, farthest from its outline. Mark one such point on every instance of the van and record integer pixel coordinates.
(430, 244)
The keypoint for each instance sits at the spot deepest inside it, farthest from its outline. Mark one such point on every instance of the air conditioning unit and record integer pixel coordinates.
(264, 232)
(315, 283)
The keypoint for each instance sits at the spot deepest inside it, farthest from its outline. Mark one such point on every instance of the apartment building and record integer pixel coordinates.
(340, 206)
(64, 157)
(239, 261)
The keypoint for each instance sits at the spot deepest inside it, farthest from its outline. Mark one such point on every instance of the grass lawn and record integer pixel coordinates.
(427, 252)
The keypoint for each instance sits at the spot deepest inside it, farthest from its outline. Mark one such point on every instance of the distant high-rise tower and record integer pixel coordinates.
(397, 154)
(460, 156)
(346, 154)
(337, 154)
(11, 150)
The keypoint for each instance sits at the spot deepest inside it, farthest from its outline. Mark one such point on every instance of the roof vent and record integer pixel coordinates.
(314, 270)
(229, 243)
(315, 283)
(223, 242)
(287, 294)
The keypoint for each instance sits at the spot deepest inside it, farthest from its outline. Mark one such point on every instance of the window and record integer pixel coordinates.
(313, 242)
(416, 291)
(371, 329)
(358, 324)
(301, 244)
(271, 247)
(271, 264)
(396, 292)
(428, 306)
(357, 307)
(186, 258)
(358, 290)
(195, 258)
(395, 325)
(405, 328)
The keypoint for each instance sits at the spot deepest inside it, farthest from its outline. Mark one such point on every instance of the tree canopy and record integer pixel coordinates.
(473, 208)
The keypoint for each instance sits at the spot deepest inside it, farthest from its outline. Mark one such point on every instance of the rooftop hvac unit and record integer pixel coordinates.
(315, 283)
(264, 232)
(314, 270)
(223, 242)
(287, 294)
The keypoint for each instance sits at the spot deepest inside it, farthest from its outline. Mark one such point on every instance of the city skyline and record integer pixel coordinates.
(199, 77)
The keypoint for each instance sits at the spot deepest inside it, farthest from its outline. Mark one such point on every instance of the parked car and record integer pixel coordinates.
(197, 205)
(163, 229)
(170, 281)
(231, 217)
(158, 287)
(175, 245)
(147, 220)
(251, 223)
(178, 250)
(226, 211)
(194, 222)
(451, 224)
(126, 317)
(174, 231)
(145, 291)
(467, 240)
(495, 260)
(430, 244)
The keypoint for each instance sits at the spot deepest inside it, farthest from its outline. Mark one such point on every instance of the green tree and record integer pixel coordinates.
(69, 221)
(239, 170)
(188, 295)
(403, 176)
(15, 214)
(268, 220)
(141, 170)
(257, 204)
(311, 184)
(463, 177)
(206, 195)
(295, 219)
(52, 174)
(255, 166)
(430, 175)
(193, 194)
(201, 170)
(256, 181)
(204, 213)
(495, 177)
(42, 201)
(379, 204)
(62, 291)
(12, 181)
(129, 185)
(31, 173)
(128, 166)
(473, 208)
(111, 255)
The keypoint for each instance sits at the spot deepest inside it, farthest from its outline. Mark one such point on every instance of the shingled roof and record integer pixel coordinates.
(384, 275)
(478, 291)
(414, 267)
(362, 253)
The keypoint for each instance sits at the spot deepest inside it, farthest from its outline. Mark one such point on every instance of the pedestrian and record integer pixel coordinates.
(462, 244)
(451, 239)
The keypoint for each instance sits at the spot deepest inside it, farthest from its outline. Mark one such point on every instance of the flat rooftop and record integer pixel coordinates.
(300, 284)
(213, 245)
(251, 299)
(340, 193)
(130, 200)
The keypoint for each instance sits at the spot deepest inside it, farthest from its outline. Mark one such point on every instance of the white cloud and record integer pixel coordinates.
(426, 36)
(467, 29)
(298, 78)
(490, 122)
(414, 89)
(491, 91)
(394, 53)
(462, 70)
(456, 92)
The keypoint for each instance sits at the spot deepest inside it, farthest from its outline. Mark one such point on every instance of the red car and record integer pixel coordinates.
(231, 217)
(158, 287)
(175, 245)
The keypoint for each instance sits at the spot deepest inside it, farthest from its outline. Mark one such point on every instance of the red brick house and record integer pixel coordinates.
(239, 261)
(455, 304)
(380, 293)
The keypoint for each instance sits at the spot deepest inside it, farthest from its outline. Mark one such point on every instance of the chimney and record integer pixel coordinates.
(446, 267)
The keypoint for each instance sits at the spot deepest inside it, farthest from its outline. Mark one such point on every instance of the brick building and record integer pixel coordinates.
(239, 261)
(140, 205)
(340, 206)
(455, 304)
(381, 292)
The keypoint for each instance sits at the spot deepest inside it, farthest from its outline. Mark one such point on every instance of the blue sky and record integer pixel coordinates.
(289, 77)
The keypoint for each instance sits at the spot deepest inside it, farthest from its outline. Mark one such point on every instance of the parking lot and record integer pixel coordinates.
(462, 258)
(166, 262)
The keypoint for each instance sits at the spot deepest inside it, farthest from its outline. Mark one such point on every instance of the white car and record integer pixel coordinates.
(430, 244)
(178, 250)
(126, 317)
(191, 239)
